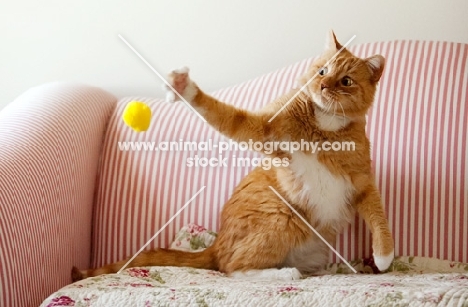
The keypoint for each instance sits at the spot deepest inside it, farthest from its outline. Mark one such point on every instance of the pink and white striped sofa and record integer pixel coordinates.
(69, 195)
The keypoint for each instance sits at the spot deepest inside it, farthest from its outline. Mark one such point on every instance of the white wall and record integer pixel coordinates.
(223, 42)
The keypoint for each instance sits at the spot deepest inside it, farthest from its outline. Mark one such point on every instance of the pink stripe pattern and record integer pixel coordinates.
(417, 127)
(50, 143)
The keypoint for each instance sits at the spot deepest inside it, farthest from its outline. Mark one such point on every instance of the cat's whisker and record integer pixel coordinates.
(334, 113)
(344, 114)
(329, 107)
(342, 109)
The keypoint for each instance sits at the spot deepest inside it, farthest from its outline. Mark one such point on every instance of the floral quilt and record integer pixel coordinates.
(410, 281)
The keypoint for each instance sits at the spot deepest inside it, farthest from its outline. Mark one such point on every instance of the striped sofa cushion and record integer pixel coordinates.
(417, 127)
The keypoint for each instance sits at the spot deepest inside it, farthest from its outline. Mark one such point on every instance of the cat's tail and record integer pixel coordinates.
(159, 257)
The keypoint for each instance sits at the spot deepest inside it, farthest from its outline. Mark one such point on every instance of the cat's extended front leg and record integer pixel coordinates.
(237, 124)
(369, 206)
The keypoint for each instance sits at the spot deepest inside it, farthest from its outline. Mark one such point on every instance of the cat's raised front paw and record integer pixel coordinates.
(181, 83)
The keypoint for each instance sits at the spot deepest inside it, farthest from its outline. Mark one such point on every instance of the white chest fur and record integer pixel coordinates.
(328, 195)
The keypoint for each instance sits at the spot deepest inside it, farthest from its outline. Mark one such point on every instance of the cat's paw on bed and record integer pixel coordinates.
(383, 262)
(180, 82)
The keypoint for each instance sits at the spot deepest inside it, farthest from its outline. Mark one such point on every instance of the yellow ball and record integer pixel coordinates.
(137, 115)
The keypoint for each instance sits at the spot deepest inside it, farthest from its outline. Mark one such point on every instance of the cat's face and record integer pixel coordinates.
(346, 84)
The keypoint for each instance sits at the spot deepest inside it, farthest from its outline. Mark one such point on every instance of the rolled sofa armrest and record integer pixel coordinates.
(50, 144)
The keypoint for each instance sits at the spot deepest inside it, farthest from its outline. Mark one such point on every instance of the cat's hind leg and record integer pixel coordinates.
(257, 238)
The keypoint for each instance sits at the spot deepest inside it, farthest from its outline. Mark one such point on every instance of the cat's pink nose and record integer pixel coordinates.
(323, 85)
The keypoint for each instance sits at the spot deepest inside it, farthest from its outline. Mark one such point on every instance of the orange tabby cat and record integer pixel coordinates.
(259, 234)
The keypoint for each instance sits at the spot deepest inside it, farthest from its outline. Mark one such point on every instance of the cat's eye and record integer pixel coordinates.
(323, 71)
(346, 81)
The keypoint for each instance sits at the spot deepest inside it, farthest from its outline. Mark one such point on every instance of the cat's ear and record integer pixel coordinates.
(332, 43)
(376, 66)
